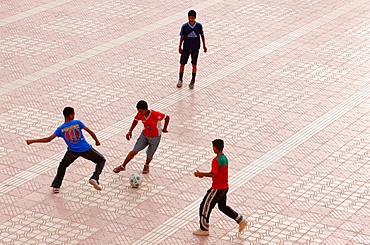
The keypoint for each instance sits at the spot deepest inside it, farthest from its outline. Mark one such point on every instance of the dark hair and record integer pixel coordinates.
(142, 105)
(68, 111)
(192, 13)
(219, 144)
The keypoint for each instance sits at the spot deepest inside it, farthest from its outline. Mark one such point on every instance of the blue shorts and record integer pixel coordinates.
(185, 56)
(143, 141)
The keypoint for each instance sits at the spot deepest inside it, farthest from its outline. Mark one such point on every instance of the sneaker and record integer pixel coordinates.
(95, 184)
(242, 225)
(179, 84)
(201, 232)
(56, 190)
(191, 85)
(146, 169)
(119, 169)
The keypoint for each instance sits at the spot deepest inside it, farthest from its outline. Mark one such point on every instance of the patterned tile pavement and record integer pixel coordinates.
(284, 83)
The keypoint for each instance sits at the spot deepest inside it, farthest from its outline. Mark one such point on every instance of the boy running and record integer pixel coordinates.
(71, 132)
(218, 192)
(150, 136)
(190, 35)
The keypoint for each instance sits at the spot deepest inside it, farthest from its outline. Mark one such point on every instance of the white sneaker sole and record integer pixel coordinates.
(95, 184)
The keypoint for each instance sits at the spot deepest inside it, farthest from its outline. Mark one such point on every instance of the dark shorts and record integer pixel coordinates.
(185, 56)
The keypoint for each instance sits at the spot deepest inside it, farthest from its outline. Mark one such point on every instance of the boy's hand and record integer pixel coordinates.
(164, 130)
(129, 135)
(97, 143)
(180, 50)
(205, 49)
(29, 142)
(198, 174)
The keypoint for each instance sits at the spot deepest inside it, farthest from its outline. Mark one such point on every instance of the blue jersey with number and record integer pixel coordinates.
(71, 132)
(191, 35)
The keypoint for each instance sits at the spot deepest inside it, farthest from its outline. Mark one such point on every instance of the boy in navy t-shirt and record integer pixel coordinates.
(190, 35)
(71, 132)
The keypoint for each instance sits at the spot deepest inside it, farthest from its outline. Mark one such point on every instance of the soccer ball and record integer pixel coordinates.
(135, 180)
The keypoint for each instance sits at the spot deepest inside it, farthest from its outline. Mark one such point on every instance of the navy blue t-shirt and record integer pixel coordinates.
(191, 35)
(71, 132)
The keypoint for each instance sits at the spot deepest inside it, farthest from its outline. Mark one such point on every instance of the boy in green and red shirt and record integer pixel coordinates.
(217, 194)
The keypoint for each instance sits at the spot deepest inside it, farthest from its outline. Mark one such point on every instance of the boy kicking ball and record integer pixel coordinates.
(150, 136)
(217, 194)
(71, 132)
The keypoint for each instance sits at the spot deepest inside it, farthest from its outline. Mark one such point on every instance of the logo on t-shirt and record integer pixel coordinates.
(192, 34)
(72, 133)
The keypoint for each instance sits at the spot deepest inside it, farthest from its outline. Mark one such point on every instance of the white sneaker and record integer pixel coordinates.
(95, 184)
(179, 84)
(201, 232)
(242, 225)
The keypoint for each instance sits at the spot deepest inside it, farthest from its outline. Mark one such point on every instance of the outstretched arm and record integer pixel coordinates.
(42, 140)
(203, 174)
(204, 43)
(166, 121)
(93, 135)
(129, 133)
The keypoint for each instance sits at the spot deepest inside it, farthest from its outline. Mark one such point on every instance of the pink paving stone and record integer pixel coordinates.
(147, 67)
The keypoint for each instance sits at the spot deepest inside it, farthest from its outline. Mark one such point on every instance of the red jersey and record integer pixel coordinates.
(220, 169)
(152, 123)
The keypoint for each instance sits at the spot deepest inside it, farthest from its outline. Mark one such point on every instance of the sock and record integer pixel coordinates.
(193, 77)
(181, 74)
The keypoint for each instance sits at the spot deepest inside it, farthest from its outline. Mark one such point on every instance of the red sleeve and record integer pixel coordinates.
(215, 166)
(138, 117)
(159, 115)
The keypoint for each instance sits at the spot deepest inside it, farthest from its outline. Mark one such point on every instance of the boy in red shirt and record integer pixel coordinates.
(150, 136)
(218, 192)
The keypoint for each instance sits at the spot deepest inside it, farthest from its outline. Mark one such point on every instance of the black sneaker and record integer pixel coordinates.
(179, 84)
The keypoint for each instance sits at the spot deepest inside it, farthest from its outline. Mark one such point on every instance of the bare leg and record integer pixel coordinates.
(193, 74)
(194, 70)
(129, 157)
(148, 160)
(146, 166)
(182, 68)
(122, 167)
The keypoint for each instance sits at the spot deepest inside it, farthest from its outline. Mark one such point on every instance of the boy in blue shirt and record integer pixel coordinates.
(71, 132)
(190, 35)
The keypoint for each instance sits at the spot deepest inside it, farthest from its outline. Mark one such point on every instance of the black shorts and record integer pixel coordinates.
(185, 56)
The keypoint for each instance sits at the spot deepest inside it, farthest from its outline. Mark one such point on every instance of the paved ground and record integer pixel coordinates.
(284, 83)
